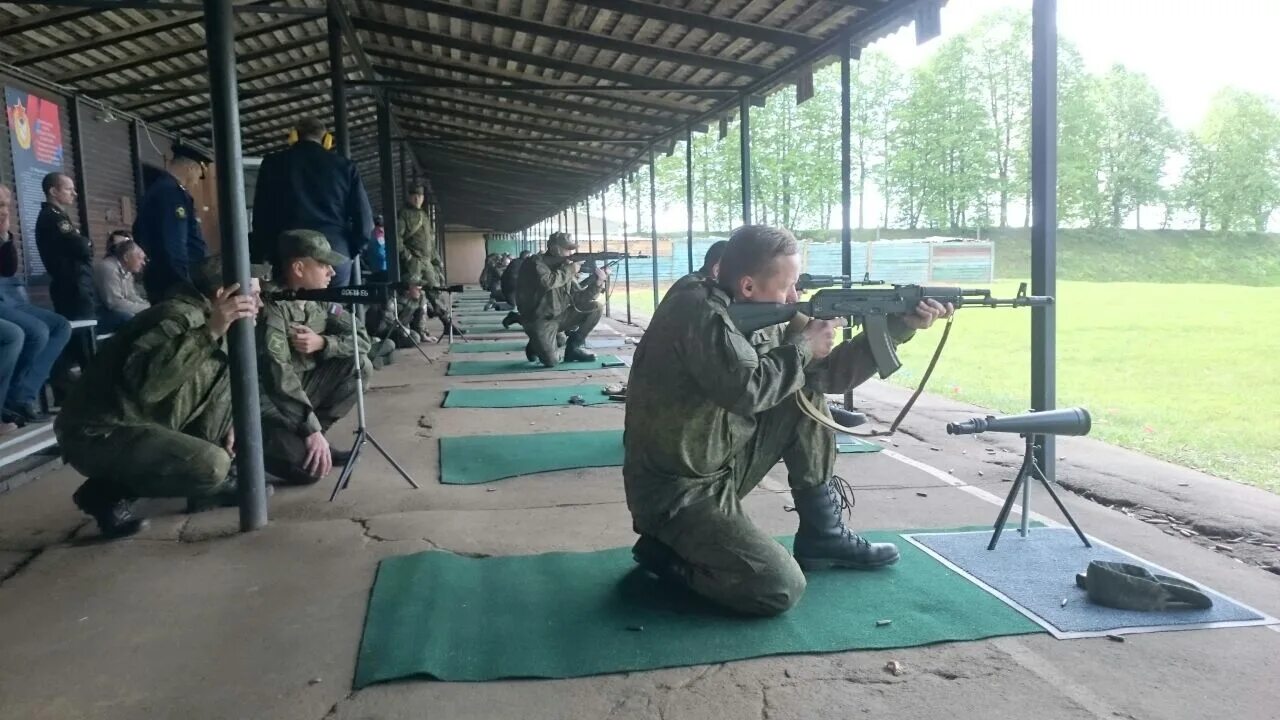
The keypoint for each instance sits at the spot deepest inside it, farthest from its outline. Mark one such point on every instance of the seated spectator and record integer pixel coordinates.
(44, 334)
(116, 279)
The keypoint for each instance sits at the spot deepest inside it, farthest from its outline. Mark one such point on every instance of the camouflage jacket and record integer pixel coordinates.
(547, 287)
(412, 314)
(164, 367)
(282, 369)
(696, 387)
(413, 228)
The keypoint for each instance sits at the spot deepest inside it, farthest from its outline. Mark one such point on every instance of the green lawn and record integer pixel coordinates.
(1186, 373)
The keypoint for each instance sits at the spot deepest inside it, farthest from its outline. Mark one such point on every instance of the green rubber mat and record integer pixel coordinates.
(524, 397)
(564, 614)
(488, 347)
(476, 459)
(490, 328)
(849, 444)
(506, 367)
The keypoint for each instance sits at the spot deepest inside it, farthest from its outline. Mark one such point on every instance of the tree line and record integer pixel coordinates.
(947, 145)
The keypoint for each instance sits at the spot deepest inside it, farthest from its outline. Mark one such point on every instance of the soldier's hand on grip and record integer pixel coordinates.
(821, 335)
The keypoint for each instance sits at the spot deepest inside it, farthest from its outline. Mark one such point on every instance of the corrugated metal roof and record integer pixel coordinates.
(512, 108)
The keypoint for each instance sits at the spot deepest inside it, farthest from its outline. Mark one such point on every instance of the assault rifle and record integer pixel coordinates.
(871, 308)
(591, 260)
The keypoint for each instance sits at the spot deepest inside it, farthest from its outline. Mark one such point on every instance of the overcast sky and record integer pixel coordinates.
(1189, 49)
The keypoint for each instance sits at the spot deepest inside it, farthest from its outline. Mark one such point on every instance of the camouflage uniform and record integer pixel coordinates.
(304, 394)
(709, 413)
(418, 260)
(550, 300)
(150, 415)
(412, 315)
(697, 277)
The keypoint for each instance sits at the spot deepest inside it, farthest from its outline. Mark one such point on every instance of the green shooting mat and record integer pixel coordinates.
(476, 459)
(571, 614)
(488, 328)
(506, 367)
(524, 397)
(488, 347)
(846, 443)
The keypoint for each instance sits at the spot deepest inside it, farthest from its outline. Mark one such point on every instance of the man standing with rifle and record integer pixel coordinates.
(711, 409)
(551, 300)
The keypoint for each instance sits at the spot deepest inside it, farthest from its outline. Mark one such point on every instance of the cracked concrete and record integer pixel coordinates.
(194, 620)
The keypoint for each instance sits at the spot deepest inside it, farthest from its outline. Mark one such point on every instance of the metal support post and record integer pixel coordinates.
(626, 248)
(139, 184)
(653, 226)
(591, 244)
(688, 191)
(604, 237)
(846, 196)
(77, 139)
(389, 196)
(233, 219)
(338, 81)
(1044, 224)
(575, 222)
(744, 128)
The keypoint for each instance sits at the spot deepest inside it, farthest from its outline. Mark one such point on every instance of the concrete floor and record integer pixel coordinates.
(192, 620)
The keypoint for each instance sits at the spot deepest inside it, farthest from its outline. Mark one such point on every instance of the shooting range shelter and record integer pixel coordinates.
(513, 115)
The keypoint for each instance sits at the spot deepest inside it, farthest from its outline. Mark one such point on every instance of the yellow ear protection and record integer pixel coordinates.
(326, 143)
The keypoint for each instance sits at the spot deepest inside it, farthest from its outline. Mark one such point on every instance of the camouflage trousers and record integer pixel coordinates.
(140, 461)
(331, 387)
(439, 308)
(542, 332)
(734, 563)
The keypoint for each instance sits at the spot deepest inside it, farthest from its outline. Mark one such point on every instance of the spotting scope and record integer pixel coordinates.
(1066, 421)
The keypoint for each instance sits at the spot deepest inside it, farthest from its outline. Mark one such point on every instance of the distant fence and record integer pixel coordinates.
(918, 261)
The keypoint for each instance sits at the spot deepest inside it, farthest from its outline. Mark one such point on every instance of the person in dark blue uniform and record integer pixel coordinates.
(307, 187)
(167, 227)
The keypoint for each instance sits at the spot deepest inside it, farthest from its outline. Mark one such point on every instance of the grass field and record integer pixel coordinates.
(1185, 373)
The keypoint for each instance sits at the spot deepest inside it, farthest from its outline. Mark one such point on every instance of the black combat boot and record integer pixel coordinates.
(575, 352)
(654, 556)
(847, 418)
(512, 318)
(529, 354)
(103, 502)
(823, 541)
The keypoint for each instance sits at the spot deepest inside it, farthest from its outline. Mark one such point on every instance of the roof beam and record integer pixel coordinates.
(171, 5)
(491, 50)
(477, 157)
(271, 94)
(480, 137)
(170, 53)
(529, 111)
(580, 37)
(492, 120)
(546, 159)
(163, 95)
(128, 33)
(701, 21)
(200, 70)
(40, 19)
(667, 107)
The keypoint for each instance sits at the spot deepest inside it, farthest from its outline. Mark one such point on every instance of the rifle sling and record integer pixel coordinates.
(807, 407)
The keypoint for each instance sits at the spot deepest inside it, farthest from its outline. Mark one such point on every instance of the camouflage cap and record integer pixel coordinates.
(1133, 587)
(206, 275)
(561, 240)
(294, 244)
(417, 189)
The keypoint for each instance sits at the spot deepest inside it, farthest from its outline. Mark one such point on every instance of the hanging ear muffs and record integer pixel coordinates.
(293, 136)
(327, 143)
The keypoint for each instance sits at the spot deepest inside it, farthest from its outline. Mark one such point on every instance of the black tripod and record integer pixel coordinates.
(1029, 467)
(362, 432)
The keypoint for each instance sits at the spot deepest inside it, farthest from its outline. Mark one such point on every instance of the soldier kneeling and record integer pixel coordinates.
(152, 415)
(307, 361)
(551, 301)
(403, 320)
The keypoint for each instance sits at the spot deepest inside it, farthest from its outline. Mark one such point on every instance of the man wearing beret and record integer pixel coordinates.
(167, 228)
(306, 356)
(152, 415)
